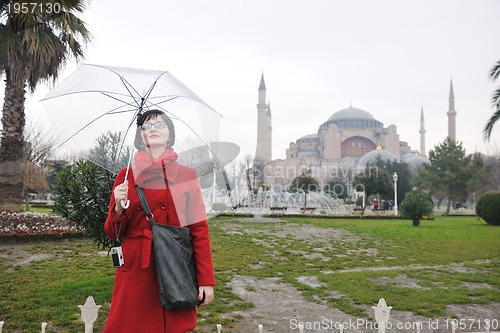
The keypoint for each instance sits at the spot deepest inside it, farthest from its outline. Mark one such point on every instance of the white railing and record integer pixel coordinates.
(89, 313)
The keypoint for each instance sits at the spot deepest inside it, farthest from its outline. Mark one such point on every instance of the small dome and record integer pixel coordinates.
(416, 162)
(373, 155)
(353, 118)
(309, 136)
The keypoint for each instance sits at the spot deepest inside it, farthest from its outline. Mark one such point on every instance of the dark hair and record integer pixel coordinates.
(142, 118)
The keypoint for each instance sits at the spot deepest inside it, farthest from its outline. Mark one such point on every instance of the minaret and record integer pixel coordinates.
(269, 134)
(452, 115)
(261, 150)
(422, 132)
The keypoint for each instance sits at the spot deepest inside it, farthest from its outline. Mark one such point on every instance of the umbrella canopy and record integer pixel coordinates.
(104, 101)
(94, 112)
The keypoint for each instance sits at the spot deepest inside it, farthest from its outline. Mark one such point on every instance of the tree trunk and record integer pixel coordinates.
(12, 146)
(26, 201)
(448, 206)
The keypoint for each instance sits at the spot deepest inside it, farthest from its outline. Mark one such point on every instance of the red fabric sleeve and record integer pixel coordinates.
(202, 253)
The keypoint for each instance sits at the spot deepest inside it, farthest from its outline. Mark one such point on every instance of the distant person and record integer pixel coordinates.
(387, 205)
(375, 204)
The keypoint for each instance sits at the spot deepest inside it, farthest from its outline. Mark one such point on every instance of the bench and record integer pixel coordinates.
(309, 210)
(278, 209)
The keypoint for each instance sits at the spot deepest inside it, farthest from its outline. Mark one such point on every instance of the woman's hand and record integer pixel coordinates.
(120, 193)
(208, 291)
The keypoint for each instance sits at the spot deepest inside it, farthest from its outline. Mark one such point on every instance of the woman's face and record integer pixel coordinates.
(155, 133)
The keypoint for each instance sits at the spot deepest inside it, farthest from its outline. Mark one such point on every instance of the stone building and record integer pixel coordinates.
(344, 143)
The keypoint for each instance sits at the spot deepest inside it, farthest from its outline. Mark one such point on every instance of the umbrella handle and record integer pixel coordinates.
(125, 204)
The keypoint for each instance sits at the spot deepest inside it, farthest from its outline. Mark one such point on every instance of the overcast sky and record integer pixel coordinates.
(389, 58)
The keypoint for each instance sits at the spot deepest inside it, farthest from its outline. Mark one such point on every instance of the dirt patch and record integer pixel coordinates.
(321, 236)
(474, 286)
(400, 280)
(280, 307)
(19, 254)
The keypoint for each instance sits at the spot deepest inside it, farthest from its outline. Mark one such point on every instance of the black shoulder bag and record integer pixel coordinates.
(175, 265)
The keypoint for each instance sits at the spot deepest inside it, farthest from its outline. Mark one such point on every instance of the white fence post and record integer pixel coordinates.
(382, 314)
(89, 313)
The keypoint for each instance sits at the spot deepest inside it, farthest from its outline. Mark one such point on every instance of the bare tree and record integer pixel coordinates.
(33, 181)
(39, 143)
(37, 151)
(493, 164)
(248, 167)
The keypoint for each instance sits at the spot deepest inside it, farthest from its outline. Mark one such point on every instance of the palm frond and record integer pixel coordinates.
(495, 71)
(495, 99)
(491, 122)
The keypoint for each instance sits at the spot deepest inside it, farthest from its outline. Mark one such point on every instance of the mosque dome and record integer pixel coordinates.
(351, 113)
(353, 118)
(415, 162)
(313, 136)
(373, 155)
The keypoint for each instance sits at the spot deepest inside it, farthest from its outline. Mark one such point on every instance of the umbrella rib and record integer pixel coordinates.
(156, 104)
(126, 84)
(104, 92)
(119, 100)
(150, 90)
(90, 123)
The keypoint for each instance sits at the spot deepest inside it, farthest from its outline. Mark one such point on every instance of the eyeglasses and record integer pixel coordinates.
(157, 125)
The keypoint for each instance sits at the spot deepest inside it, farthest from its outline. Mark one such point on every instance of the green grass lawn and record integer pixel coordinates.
(346, 256)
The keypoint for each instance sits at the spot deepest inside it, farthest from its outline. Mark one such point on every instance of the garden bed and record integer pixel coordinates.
(30, 226)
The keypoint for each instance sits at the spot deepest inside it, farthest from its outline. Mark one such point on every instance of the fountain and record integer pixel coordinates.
(270, 201)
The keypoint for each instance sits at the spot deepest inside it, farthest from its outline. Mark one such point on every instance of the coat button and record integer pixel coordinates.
(139, 207)
(163, 206)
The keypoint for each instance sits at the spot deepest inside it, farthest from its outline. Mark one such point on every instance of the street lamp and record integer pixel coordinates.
(395, 178)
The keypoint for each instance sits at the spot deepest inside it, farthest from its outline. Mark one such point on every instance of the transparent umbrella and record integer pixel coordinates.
(93, 113)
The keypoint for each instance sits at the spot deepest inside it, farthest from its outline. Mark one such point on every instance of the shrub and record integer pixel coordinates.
(415, 205)
(219, 206)
(83, 192)
(488, 207)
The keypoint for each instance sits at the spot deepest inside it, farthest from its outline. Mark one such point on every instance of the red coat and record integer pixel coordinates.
(135, 304)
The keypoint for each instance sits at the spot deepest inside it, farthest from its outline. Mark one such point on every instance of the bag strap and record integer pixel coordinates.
(144, 202)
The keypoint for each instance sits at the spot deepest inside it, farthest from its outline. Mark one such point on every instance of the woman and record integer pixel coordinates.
(174, 196)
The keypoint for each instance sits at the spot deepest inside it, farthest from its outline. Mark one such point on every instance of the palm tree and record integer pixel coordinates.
(37, 38)
(495, 100)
